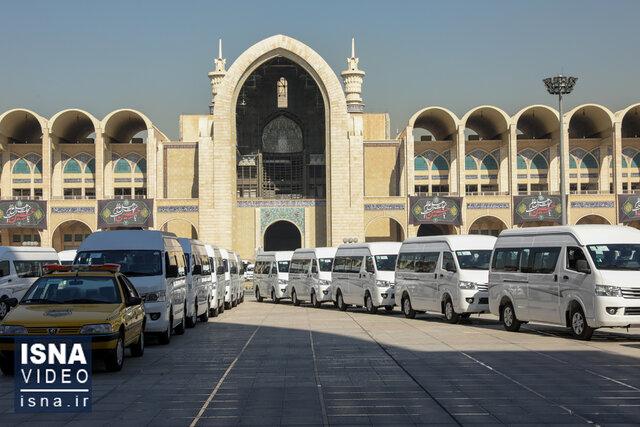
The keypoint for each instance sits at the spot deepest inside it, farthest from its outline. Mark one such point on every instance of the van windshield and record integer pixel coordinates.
(474, 259)
(326, 264)
(132, 262)
(283, 266)
(615, 257)
(386, 262)
(31, 268)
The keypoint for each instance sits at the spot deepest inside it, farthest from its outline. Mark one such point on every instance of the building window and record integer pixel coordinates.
(141, 193)
(37, 193)
(121, 193)
(489, 188)
(282, 93)
(443, 188)
(471, 188)
(89, 193)
(72, 193)
(539, 187)
(68, 238)
(22, 193)
(522, 189)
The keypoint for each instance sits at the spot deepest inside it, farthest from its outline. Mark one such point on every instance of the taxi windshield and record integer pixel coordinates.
(73, 290)
(132, 262)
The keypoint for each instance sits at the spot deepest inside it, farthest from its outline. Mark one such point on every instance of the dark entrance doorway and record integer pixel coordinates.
(282, 236)
(434, 230)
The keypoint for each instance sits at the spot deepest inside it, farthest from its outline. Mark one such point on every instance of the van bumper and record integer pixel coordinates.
(472, 301)
(159, 311)
(384, 296)
(627, 313)
(323, 293)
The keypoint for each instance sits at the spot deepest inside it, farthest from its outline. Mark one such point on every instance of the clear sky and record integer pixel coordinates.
(154, 56)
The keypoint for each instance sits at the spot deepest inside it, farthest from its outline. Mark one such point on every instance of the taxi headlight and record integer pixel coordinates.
(12, 330)
(608, 291)
(100, 328)
(159, 296)
(467, 285)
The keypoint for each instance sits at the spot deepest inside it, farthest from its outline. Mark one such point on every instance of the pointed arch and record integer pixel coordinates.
(489, 163)
(440, 164)
(420, 164)
(522, 163)
(589, 162)
(122, 166)
(470, 163)
(72, 166)
(21, 166)
(539, 163)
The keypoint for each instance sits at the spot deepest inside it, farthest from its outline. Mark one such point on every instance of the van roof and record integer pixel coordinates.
(125, 239)
(325, 252)
(279, 255)
(457, 241)
(585, 234)
(375, 248)
(27, 250)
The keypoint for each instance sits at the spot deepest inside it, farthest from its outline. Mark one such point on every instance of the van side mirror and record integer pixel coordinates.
(220, 270)
(197, 269)
(172, 271)
(582, 266)
(449, 266)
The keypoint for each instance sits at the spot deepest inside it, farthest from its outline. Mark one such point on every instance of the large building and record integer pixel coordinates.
(287, 157)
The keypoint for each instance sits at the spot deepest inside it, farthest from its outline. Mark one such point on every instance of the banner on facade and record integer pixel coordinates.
(628, 207)
(435, 210)
(537, 208)
(125, 213)
(23, 214)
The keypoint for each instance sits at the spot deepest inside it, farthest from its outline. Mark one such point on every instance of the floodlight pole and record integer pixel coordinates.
(560, 85)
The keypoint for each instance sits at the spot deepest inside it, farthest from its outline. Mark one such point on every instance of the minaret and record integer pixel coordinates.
(352, 78)
(217, 75)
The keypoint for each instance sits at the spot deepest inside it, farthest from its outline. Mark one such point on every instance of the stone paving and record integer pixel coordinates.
(276, 364)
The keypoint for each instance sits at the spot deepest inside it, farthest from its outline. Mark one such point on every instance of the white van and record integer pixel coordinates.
(198, 281)
(582, 276)
(67, 257)
(271, 275)
(364, 275)
(155, 263)
(229, 296)
(217, 280)
(310, 275)
(236, 280)
(20, 266)
(444, 274)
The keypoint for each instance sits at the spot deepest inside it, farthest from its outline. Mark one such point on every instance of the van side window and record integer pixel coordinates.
(426, 262)
(356, 264)
(314, 266)
(4, 268)
(405, 262)
(369, 265)
(574, 254)
(511, 259)
(544, 260)
(447, 257)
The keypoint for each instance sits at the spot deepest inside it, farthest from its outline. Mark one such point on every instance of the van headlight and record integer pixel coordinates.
(383, 283)
(100, 328)
(282, 282)
(12, 330)
(159, 296)
(608, 291)
(325, 282)
(467, 285)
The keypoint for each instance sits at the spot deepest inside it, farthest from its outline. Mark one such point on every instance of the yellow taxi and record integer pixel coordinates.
(96, 301)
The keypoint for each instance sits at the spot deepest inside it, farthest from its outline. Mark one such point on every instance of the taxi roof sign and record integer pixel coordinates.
(57, 268)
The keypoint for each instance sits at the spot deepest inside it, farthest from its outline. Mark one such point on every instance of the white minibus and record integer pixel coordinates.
(67, 257)
(271, 275)
(229, 296)
(20, 266)
(217, 280)
(444, 274)
(310, 275)
(155, 263)
(236, 281)
(364, 275)
(581, 276)
(198, 281)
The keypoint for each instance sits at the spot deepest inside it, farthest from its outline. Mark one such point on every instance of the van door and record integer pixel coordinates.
(571, 282)
(544, 299)
(427, 288)
(447, 280)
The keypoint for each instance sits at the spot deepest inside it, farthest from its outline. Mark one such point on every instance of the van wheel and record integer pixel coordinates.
(221, 308)
(165, 337)
(294, 297)
(191, 320)
(408, 311)
(204, 317)
(234, 301)
(137, 350)
(179, 330)
(7, 365)
(258, 296)
(368, 303)
(273, 296)
(213, 312)
(241, 298)
(314, 300)
(340, 302)
(509, 319)
(4, 309)
(449, 313)
(579, 327)
(115, 358)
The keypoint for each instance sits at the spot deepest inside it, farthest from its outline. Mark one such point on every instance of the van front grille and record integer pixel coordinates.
(631, 292)
(632, 311)
(483, 287)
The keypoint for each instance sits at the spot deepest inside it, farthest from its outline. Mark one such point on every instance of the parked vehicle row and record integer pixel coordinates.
(584, 277)
(169, 282)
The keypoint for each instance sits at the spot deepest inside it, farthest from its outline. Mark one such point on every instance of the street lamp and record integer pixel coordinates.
(559, 85)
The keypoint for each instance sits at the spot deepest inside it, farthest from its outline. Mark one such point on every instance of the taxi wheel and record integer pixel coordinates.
(314, 300)
(204, 317)
(137, 349)
(6, 365)
(191, 320)
(115, 358)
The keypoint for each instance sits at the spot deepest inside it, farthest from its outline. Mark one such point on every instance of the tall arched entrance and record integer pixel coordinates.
(487, 225)
(282, 236)
(592, 219)
(435, 230)
(69, 235)
(180, 228)
(384, 230)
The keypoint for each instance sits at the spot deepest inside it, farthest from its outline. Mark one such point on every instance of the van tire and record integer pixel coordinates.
(221, 308)
(368, 304)
(137, 349)
(179, 330)
(165, 337)
(234, 301)
(114, 360)
(579, 327)
(273, 296)
(340, 302)
(389, 308)
(408, 311)
(213, 312)
(294, 297)
(204, 317)
(450, 314)
(509, 319)
(258, 296)
(314, 300)
(191, 320)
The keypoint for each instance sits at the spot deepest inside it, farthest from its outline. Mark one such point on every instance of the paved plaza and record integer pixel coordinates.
(276, 364)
